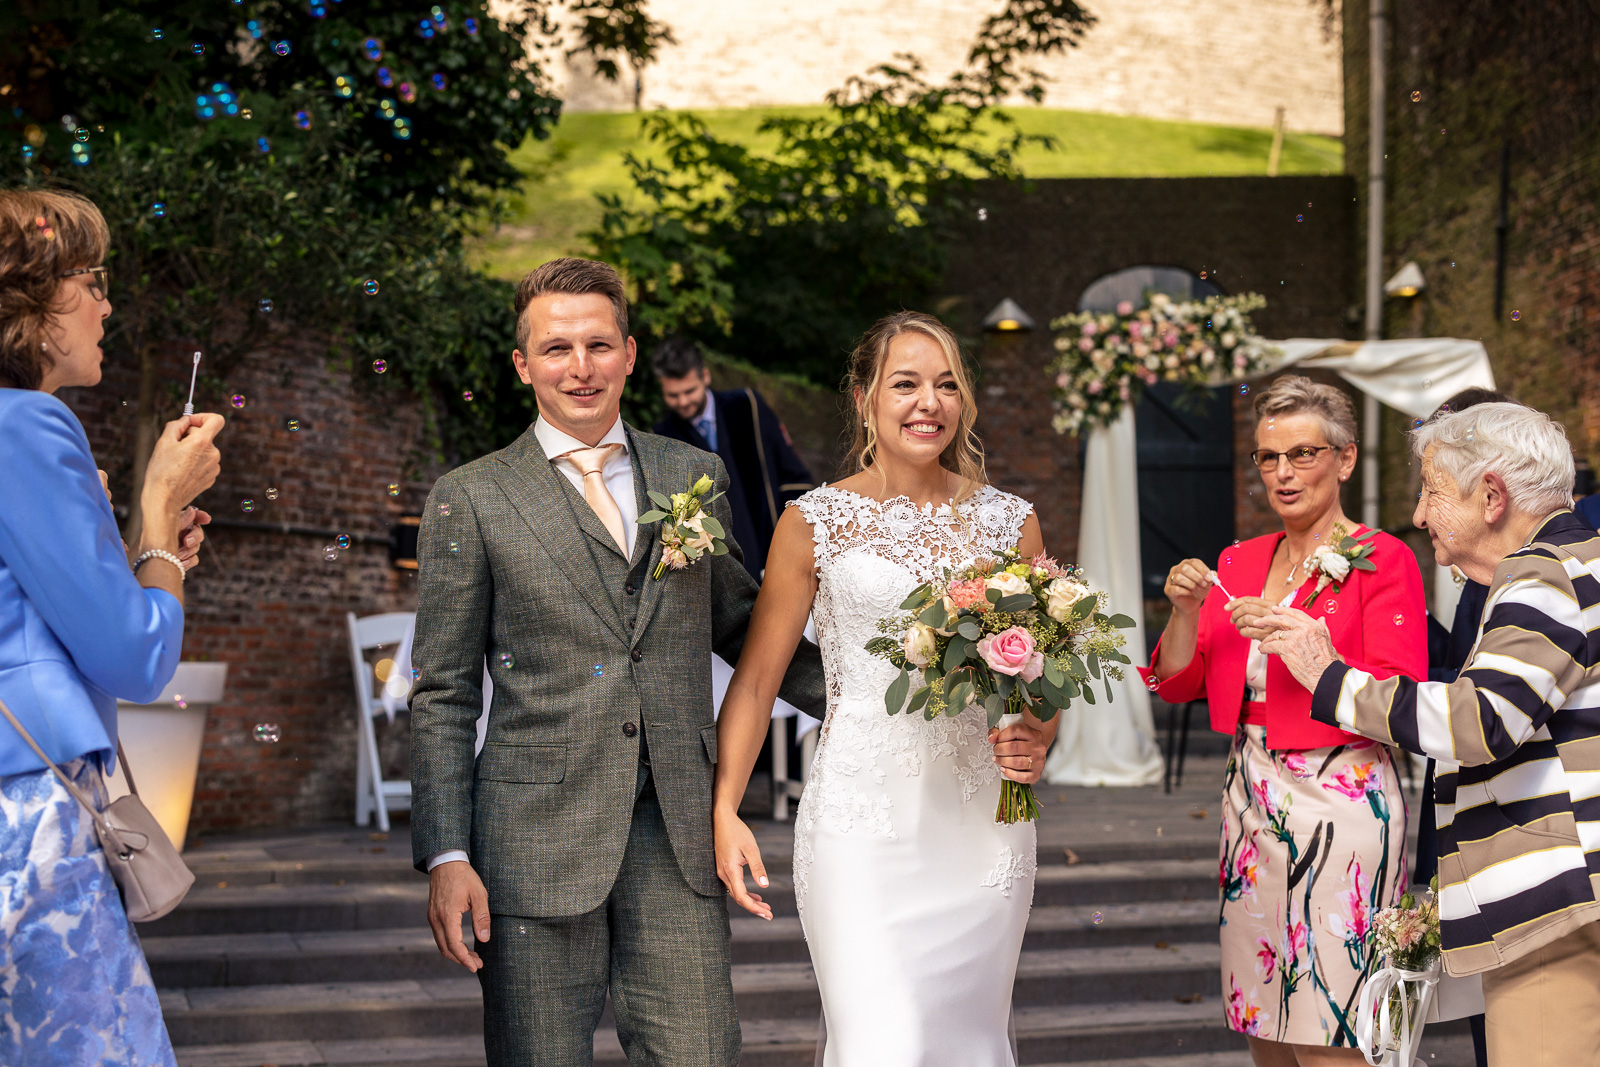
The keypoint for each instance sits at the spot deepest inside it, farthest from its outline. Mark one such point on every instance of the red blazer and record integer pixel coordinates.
(1378, 620)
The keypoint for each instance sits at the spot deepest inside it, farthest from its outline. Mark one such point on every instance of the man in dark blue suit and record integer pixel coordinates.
(763, 471)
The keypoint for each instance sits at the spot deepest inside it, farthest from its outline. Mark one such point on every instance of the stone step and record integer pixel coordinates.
(199, 1015)
(278, 907)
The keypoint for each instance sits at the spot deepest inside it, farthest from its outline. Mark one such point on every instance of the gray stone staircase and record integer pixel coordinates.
(314, 950)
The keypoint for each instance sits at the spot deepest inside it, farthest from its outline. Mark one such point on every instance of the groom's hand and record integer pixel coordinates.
(454, 889)
(735, 847)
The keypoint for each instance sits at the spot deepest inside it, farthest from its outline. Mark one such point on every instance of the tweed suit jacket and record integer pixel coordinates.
(516, 569)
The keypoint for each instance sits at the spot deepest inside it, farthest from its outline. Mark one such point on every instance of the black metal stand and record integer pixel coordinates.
(1177, 743)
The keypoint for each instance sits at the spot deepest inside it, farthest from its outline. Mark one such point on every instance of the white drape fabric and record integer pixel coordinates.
(1110, 744)
(1101, 745)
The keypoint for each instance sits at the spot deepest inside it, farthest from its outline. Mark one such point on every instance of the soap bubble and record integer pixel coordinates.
(267, 733)
(471, 27)
(408, 92)
(455, 548)
(1416, 95)
(379, 366)
(1099, 918)
(466, 394)
(1244, 390)
(254, 29)
(370, 287)
(599, 670)
(983, 214)
(1299, 218)
(1515, 315)
(198, 49)
(82, 133)
(292, 425)
(247, 505)
(246, 114)
(1330, 607)
(416, 672)
(263, 145)
(330, 552)
(386, 80)
(1416, 424)
(264, 305)
(439, 82)
(27, 151)
(177, 698)
(237, 400)
(302, 119)
(344, 86)
(425, 28)
(272, 493)
(155, 34)
(80, 155)
(506, 661)
(402, 129)
(444, 509)
(1399, 620)
(343, 540)
(158, 210)
(282, 48)
(373, 48)
(394, 488)
(438, 14)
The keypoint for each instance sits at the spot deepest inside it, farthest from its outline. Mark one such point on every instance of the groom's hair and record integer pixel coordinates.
(574, 277)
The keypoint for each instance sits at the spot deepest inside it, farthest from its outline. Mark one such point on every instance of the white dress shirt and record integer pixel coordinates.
(618, 475)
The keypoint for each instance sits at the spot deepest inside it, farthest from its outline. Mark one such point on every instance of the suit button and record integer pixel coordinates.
(636, 655)
(629, 729)
(630, 589)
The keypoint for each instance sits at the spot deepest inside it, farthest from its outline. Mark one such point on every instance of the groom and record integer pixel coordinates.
(581, 840)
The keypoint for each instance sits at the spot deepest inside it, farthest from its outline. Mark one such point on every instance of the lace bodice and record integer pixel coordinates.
(869, 556)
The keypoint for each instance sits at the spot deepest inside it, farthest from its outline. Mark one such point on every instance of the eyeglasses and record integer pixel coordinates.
(1302, 457)
(99, 284)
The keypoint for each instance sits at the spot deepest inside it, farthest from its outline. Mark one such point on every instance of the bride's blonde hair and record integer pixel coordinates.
(964, 454)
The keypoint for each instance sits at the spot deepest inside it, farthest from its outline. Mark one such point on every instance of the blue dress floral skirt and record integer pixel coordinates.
(1313, 844)
(74, 984)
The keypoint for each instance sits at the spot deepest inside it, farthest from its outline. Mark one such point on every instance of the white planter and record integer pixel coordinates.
(162, 742)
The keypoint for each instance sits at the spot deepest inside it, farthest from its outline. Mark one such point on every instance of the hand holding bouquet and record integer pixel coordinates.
(1395, 999)
(1010, 634)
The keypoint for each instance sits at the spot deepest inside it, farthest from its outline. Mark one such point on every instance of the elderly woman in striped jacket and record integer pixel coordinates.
(1516, 736)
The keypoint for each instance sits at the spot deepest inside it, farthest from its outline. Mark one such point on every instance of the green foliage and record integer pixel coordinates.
(846, 217)
(611, 28)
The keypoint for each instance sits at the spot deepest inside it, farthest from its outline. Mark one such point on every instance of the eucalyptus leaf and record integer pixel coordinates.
(1078, 669)
(1122, 622)
(1085, 607)
(713, 527)
(895, 698)
(919, 699)
(652, 516)
(969, 629)
(996, 707)
(935, 616)
(662, 500)
(1094, 665)
(1363, 564)
(1088, 694)
(1108, 690)
(993, 595)
(719, 548)
(1052, 672)
(957, 700)
(1007, 684)
(955, 653)
(918, 595)
(1016, 602)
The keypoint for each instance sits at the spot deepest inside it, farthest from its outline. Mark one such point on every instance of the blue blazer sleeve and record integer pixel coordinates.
(59, 539)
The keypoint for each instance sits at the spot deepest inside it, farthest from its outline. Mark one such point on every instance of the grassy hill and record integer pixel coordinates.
(584, 157)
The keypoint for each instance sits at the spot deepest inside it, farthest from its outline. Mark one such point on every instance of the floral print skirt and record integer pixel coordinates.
(1313, 844)
(74, 985)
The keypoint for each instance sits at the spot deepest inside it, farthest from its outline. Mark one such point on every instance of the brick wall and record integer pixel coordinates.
(1223, 61)
(1044, 243)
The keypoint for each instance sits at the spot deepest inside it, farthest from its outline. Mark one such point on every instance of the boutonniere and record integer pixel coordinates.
(1333, 563)
(688, 531)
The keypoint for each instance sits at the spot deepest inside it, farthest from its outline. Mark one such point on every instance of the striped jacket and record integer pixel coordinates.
(1517, 740)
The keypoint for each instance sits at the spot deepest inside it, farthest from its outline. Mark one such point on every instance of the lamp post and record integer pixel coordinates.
(1008, 317)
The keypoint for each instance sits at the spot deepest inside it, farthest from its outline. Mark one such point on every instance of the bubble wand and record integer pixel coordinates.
(188, 409)
(1216, 580)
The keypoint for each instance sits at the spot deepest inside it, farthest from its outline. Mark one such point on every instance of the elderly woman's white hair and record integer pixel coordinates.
(1526, 448)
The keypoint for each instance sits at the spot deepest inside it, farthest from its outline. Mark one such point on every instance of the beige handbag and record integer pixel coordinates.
(151, 874)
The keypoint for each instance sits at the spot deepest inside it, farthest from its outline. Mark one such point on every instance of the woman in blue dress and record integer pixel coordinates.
(79, 628)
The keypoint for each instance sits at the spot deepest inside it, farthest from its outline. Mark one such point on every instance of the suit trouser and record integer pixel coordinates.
(1543, 1010)
(660, 948)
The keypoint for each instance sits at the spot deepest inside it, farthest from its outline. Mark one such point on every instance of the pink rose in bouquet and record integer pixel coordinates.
(1012, 652)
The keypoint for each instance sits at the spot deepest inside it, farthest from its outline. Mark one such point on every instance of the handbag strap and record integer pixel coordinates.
(98, 818)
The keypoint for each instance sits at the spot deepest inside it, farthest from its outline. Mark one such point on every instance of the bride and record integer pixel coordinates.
(913, 900)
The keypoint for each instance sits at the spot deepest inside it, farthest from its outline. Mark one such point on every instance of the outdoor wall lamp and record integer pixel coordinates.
(1407, 281)
(1007, 317)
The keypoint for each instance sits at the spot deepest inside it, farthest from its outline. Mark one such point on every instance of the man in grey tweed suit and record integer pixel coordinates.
(580, 841)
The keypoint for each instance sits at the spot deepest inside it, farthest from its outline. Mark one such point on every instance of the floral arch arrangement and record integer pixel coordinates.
(1106, 359)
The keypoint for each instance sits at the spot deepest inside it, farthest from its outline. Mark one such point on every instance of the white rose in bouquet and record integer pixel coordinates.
(1062, 595)
(920, 643)
(1009, 584)
(1328, 560)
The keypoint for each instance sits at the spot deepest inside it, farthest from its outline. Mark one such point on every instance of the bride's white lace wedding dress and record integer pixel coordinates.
(914, 901)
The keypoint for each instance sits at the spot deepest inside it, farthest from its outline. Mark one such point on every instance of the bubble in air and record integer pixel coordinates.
(343, 540)
(1099, 918)
(81, 155)
(1299, 218)
(268, 733)
(263, 145)
(379, 366)
(394, 488)
(444, 509)
(1244, 390)
(302, 120)
(345, 86)
(386, 80)
(292, 425)
(155, 34)
(253, 28)
(1416, 95)
(198, 49)
(247, 505)
(466, 394)
(1399, 620)
(330, 552)
(408, 92)
(1330, 607)
(237, 400)
(264, 306)
(1416, 424)
(506, 661)
(373, 49)
(272, 493)
(1515, 315)
(439, 82)
(402, 129)
(983, 214)
(246, 114)
(455, 548)
(471, 26)
(370, 287)
(81, 133)
(282, 48)
(416, 672)
(599, 670)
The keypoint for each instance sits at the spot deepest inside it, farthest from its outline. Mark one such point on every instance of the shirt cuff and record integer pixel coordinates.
(447, 856)
(1325, 698)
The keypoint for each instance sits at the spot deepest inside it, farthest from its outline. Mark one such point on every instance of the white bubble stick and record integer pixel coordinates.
(1216, 580)
(188, 409)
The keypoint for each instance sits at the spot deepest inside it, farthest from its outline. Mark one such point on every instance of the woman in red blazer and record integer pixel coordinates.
(1314, 819)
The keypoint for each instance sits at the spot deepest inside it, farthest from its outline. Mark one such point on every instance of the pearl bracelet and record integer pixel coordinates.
(163, 554)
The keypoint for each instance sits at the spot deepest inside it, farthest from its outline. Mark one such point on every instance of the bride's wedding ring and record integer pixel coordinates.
(1030, 763)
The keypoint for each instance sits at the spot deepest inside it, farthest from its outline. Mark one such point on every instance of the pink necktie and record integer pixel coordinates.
(590, 462)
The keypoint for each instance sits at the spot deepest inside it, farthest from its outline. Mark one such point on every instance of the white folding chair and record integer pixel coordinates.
(375, 794)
